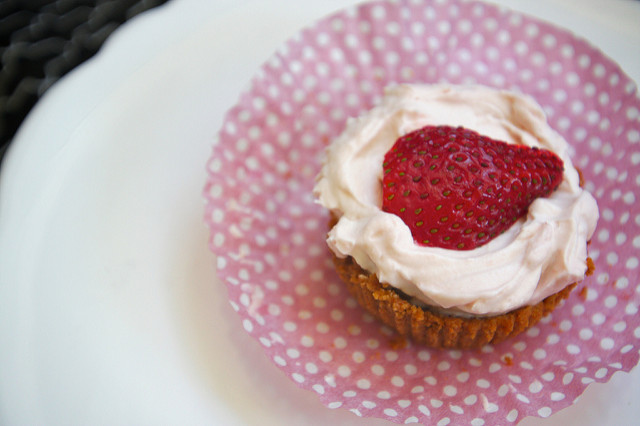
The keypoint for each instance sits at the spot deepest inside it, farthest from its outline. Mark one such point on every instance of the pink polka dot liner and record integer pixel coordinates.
(269, 236)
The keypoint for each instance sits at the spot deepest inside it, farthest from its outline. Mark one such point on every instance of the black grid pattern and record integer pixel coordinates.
(42, 40)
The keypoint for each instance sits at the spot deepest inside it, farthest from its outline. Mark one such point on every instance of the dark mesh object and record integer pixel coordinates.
(42, 40)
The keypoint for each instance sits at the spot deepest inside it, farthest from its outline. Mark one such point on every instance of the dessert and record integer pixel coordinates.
(472, 288)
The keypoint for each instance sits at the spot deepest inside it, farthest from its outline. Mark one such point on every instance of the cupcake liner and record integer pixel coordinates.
(269, 235)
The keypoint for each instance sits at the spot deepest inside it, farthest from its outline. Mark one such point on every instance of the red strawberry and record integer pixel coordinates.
(457, 189)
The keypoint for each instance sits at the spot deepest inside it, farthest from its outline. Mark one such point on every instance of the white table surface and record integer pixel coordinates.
(109, 310)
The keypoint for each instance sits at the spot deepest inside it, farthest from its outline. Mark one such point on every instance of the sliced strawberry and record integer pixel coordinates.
(457, 189)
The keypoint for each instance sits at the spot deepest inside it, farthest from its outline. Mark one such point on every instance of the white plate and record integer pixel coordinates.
(109, 309)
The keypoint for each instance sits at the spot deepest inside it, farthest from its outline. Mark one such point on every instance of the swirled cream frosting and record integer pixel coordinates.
(539, 255)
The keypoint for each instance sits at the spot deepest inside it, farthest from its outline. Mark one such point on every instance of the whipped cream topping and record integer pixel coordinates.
(539, 255)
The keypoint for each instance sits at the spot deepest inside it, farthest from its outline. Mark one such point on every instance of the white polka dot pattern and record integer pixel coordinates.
(269, 235)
